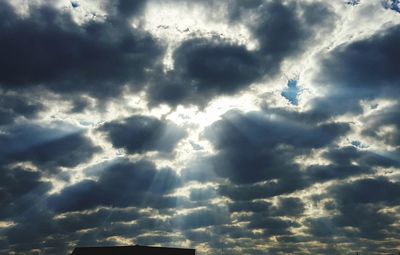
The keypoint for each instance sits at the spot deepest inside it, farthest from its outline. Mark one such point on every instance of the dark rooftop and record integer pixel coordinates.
(132, 250)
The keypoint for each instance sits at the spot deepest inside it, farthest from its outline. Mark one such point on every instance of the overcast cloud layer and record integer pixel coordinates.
(252, 127)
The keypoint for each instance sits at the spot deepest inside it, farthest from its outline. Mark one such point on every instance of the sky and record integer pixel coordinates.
(232, 127)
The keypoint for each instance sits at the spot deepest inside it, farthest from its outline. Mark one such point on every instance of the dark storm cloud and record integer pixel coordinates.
(268, 222)
(137, 184)
(14, 106)
(293, 239)
(46, 148)
(217, 66)
(342, 164)
(250, 206)
(101, 218)
(342, 158)
(283, 32)
(364, 69)
(266, 167)
(282, 29)
(23, 190)
(313, 116)
(126, 8)
(388, 117)
(200, 236)
(323, 227)
(368, 220)
(108, 222)
(22, 194)
(272, 226)
(196, 170)
(159, 239)
(20, 187)
(33, 229)
(203, 218)
(332, 171)
(20, 137)
(202, 194)
(139, 134)
(368, 191)
(360, 205)
(100, 225)
(290, 206)
(67, 151)
(287, 184)
(205, 68)
(38, 229)
(233, 231)
(48, 49)
(271, 143)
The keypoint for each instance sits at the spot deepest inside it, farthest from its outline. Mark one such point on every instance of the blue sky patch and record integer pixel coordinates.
(393, 5)
(291, 92)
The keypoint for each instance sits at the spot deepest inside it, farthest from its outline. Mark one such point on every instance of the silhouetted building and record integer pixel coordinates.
(132, 250)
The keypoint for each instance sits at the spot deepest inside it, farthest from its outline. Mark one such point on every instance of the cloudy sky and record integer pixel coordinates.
(233, 126)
